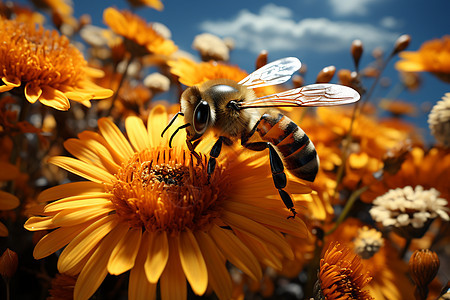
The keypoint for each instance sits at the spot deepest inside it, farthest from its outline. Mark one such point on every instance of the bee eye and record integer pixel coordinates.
(201, 116)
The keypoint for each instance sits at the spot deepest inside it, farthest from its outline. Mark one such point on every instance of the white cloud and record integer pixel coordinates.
(390, 22)
(351, 7)
(274, 29)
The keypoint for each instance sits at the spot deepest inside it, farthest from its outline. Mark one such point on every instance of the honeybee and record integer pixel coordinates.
(232, 111)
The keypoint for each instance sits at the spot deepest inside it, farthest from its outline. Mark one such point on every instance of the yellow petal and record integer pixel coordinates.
(70, 189)
(236, 252)
(88, 135)
(80, 246)
(39, 223)
(75, 204)
(124, 254)
(173, 281)
(218, 276)
(8, 201)
(137, 133)
(74, 216)
(272, 219)
(105, 157)
(32, 92)
(54, 98)
(95, 270)
(55, 240)
(158, 255)
(78, 149)
(139, 288)
(192, 261)
(261, 232)
(82, 169)
(157, 121)
(11, 81)
(114, 137)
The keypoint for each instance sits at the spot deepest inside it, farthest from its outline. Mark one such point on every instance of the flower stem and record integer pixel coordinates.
(347, 208)
(405, 247)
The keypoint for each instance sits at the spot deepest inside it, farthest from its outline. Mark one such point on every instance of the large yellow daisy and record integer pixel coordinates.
(45, 66)
(153, 211)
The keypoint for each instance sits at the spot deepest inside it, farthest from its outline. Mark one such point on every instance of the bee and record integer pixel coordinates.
(233, 112)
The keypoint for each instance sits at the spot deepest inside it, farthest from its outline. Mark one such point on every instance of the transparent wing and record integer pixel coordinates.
(310, 95)
(274, 73)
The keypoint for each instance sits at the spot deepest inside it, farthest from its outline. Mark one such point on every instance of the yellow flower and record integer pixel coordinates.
(153, 211)
(341, 275)
(433, 56)
(45, 66)
(140, 37)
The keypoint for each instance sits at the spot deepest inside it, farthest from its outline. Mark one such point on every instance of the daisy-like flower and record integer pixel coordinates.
(408, 209)
(211, 47)
(154, 211)
(439, 120)
(45, 66)
(341, 275)
(368, 242)
(433, 56)
(140, 37)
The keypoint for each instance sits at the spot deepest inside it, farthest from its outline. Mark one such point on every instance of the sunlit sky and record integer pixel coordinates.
(318, 32)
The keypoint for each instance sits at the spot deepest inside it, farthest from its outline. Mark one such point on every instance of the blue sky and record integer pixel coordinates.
(318, 32)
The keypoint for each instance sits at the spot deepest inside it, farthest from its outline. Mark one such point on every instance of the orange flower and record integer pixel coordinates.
(154, 211)
(389, 279)
(433, 56)
(140, 37)
(341, 275)
(156, 4)
(46, 66)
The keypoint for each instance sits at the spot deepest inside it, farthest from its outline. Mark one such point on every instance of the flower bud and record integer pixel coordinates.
(8, 264)
(357, 51)
(401, 43)
(326, 74)
(423, 266)
(261, 60)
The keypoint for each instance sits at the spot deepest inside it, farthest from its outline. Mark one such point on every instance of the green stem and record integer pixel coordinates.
(313, 269)
(347, 208)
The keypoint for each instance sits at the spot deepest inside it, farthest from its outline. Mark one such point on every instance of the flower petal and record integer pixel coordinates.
(114, 137)
(157, 120)
(78, 149)
(32, 92)
(139, 288)
(80, 246)
(9, 171)
(137, 133)
(236, 252)
(54, 98)
(173, 281)
(55, 240)
(74, 216)
(71, 189)
(82, 169)
(3, 230)
(218, 275)
(124, 254)
(11, 81)
(8, 201)
(39, 223)
(95, 270)
(75, 204)
(158, 255)
(192, 261)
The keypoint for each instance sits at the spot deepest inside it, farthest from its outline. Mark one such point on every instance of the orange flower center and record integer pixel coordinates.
(39, 56)
(164, 189)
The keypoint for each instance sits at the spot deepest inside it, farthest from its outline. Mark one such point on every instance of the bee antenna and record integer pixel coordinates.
(171, 122)
(176, 131)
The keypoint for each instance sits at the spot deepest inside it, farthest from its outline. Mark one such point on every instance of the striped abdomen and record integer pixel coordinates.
(299, 155)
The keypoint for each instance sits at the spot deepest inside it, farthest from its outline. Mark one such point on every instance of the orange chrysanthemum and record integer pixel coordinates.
(154, 211)
(433, 56)
(45, 66)
(388, 271)
(341, 275)
(140, 37)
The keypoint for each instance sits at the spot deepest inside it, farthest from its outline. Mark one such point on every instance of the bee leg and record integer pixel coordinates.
(191, 148)
(278, 175)
(215, 151)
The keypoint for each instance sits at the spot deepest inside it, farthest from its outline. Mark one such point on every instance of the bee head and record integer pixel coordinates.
(197, 112)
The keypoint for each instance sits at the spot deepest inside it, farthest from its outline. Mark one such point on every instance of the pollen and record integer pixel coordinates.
(166, 190)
